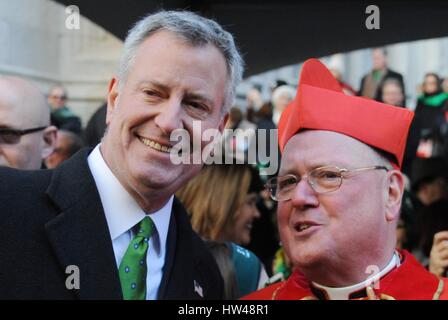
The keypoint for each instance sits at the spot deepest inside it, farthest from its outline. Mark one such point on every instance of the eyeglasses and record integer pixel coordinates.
(57, 97)
(322, 180)
(12, 136)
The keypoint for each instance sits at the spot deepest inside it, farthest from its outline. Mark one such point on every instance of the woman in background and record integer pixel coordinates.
(222, 203)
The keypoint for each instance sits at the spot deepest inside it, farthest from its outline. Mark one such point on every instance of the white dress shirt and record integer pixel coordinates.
(123, 213)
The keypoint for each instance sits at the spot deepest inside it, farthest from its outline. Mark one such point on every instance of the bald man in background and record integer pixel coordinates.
(26, 137)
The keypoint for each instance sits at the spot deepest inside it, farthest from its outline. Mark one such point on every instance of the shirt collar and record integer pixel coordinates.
(344, 293)
(121, 210)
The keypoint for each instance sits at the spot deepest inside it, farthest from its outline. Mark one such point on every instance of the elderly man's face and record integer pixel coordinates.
(351, 222)
(170, 85)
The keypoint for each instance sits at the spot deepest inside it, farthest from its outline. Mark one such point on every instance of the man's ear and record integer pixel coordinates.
(111, 99)
(395, 183)
(49, 141)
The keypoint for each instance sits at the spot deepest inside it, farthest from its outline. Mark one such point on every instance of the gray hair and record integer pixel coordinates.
(197, 31)
(283, 90)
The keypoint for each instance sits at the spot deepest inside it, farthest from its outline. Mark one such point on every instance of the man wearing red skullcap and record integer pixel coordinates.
(339, 193)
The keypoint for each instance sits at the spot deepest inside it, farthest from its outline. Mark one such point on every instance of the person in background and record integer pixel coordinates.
(26, 136)
(61, 116)
(224, 254)
(429, 179)
(67, 144)
(96, 127)
(379, 73)
(391, 92)
(264, 241)
(445, 85)
(438, 259)
(254, 103)
(428, 136)
(430, 185)
(222, 203)
(429, 111)
(281, 97)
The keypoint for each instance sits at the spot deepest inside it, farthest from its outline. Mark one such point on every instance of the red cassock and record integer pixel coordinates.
(409, 281)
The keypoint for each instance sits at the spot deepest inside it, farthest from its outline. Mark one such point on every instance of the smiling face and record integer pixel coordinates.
(350, 228)
(242, 227)
(170, 85)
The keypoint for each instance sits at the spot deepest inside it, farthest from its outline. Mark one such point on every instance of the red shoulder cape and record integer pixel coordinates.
(410, 281)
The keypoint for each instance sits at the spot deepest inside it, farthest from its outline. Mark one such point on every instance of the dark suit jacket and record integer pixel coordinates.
(50, 219)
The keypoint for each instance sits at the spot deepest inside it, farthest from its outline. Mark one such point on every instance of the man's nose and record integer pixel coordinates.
(304, 195)
(169, 117)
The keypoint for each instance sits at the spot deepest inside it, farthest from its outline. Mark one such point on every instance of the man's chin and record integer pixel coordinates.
(154, 180)
(306, 258)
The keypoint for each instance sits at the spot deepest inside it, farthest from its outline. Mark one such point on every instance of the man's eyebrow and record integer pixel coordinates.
(192, 95)
(287, 170)
(201, 97)
(154, 83)
(309, 167)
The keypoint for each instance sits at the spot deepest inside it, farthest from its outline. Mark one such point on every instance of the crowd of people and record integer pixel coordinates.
(141, 227)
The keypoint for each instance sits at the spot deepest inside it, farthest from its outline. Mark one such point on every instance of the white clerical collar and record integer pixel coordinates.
(121, 210)
(345, 292)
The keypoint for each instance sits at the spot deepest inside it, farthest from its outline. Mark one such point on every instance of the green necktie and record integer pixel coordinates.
(133, 267)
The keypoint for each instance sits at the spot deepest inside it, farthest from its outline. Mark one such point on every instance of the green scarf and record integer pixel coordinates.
(435, 100)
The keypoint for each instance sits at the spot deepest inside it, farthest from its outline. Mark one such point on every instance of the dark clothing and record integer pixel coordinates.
(430, 110)
(428, 124)
(432, 219)
(264, 236)
(65, 119)
(389, 74)
(51, 219)
(94, 131)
